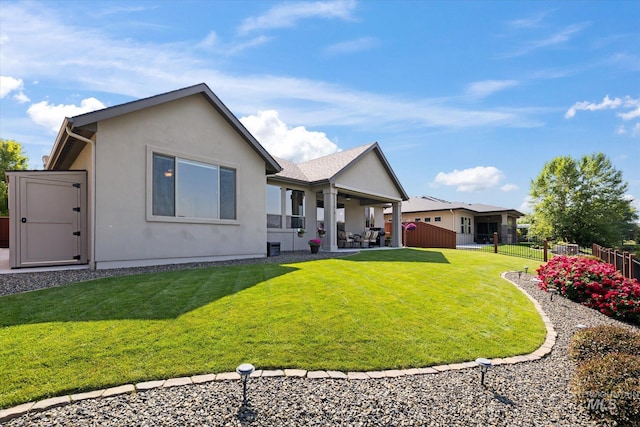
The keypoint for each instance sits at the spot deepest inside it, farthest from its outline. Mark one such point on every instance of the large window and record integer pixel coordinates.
(188, 189)
(295, 208)
(369, 217)
(285, 199)
(274, 206)
(465, 225)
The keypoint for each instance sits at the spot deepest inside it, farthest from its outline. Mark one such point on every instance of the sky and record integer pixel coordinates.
(467, 99)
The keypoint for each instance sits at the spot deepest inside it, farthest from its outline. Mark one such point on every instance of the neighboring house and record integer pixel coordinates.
(473, 222)
(177, 178)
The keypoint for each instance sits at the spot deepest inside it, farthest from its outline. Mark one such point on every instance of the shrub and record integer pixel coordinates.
(609, 388)
(601, 340)
(593, 283)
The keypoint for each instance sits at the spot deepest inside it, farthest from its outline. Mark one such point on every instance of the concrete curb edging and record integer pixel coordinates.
(42, 405)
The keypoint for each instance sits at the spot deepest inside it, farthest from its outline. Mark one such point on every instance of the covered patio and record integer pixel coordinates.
(345, 192)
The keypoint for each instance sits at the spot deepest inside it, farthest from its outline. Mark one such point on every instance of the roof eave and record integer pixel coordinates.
(82, 120)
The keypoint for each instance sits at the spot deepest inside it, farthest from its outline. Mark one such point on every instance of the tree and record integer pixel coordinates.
(11, 158)
(581, 201)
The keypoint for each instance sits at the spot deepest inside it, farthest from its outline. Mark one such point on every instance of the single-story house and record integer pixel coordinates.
(177, 178)
(473, 222)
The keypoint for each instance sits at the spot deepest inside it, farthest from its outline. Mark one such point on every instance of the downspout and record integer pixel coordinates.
(92, 199)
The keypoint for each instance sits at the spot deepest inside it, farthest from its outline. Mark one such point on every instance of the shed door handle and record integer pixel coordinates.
(24, 220)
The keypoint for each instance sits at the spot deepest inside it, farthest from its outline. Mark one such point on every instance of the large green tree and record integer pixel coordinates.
(581, 201)
(11, 158)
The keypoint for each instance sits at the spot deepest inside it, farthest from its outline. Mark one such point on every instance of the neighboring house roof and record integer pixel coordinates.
(427, 204)
(327, 168)
(67, 147)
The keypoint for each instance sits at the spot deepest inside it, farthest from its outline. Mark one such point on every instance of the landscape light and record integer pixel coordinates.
(526, 270)
(245, 370)
(552, 292)
(484, 365)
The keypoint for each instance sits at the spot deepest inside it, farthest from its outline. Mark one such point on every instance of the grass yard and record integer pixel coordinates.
(375, 310)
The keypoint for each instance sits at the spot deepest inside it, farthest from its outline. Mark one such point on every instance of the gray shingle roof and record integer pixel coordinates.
(323, 168)
(427, 203)
(326, 168)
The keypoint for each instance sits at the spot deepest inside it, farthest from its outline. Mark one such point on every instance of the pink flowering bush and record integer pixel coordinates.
(593, 283)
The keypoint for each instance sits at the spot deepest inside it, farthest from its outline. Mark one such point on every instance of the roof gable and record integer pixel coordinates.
(328, 168)
(85, 124)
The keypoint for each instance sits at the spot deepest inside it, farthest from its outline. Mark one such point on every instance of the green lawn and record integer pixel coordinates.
(375, 310)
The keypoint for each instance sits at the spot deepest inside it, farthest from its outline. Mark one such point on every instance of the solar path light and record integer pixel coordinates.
(552, 292)
(484, 365)
(245, 370)
(526, 269)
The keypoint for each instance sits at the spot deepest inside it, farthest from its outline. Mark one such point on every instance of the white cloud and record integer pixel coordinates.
(178, 64)
(558, 38)
(473, 179)
(527, 205)
(51, 116)
(509, 187)
(288, 14)
(21, 98)
(9, 84)
(633, 114)
(608, 104)
(294, 144)
(530, 22)
(485, 88)
(213, 43)
(351, 46)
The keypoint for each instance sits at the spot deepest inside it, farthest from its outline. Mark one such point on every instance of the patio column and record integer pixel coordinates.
(396, 225)
(504, 229)
(330, 240)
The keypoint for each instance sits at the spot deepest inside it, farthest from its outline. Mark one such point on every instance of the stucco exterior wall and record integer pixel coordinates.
(369, 176)
(189, 128)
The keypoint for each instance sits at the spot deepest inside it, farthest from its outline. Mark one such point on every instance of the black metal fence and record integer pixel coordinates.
(531, 248)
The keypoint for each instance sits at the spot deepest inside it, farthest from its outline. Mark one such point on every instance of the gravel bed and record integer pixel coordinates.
(525, 394)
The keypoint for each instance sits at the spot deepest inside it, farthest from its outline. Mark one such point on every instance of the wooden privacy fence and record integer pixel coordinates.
(624, 262)
(427, 236)
(4, 232)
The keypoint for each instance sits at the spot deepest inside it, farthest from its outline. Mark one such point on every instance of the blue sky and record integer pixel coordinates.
(468, 99)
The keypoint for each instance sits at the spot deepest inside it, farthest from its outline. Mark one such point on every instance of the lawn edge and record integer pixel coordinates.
(42, 405)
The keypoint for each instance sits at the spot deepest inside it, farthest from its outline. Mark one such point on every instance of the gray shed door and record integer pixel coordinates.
(50, 221)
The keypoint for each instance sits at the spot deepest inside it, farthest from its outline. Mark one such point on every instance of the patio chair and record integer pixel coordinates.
(373, 238)
(364, 241)
(345, 239)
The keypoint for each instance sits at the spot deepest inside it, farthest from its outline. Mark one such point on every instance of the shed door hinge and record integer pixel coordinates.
(76, 209)
(76, 233)
(76, 184)
(77, 257)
